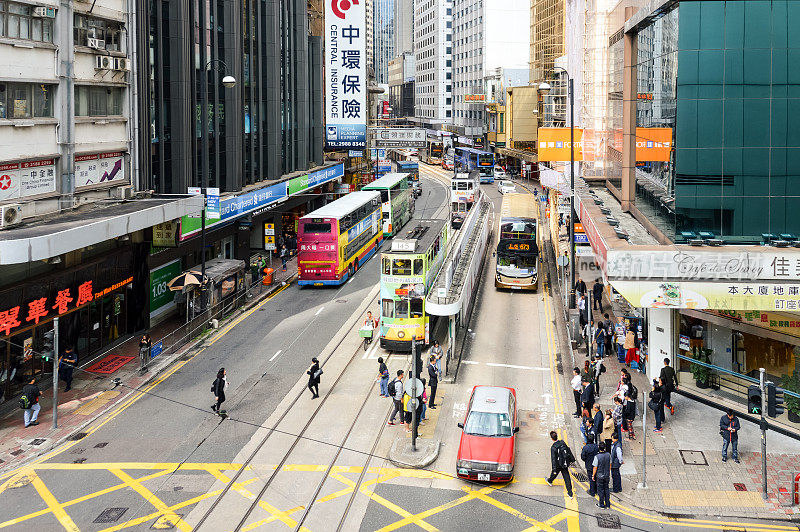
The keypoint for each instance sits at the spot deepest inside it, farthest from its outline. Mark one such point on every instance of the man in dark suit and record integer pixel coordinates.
(597, 422)
(587, 396)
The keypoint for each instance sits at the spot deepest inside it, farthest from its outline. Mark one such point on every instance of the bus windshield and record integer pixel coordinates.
(520, 230)
(516, 265)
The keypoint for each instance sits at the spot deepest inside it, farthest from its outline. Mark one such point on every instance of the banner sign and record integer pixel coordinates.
(235, 206)
(400, 138)
(554, 144)
(161, 298)
(212, 203)
(29, 178)
(355, 153)
(99, 168)
(653, 143)
(720, 296)
(345, 74)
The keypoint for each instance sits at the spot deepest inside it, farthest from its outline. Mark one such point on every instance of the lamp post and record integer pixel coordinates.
(228, 82)
(544, 89)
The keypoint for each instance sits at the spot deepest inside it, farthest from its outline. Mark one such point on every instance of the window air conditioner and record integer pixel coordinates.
(10, 215)
(44, 12)
(103, 62)
(122, 63)
(97, 44)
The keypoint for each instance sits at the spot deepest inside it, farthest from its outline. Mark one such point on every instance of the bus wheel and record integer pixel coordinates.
(350, 270)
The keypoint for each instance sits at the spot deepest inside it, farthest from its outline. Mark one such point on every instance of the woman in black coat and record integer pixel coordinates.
(656, 403)
(313, 377)
(218, 389)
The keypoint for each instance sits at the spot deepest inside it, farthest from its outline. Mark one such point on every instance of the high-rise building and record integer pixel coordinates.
(546, 37)
(433, 20)
(383, 36)
(403, 26)
(401, 84)
(369, 10)
(485, 37)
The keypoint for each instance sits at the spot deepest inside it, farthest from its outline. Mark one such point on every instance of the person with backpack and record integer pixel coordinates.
(314, 372)
(600, 339)
(601, 473)
(395, 390)
(383, 377)
(670, 382)
(218, 389)
(561, 458)
(616, 463)
(434, 381)
(29, 402)
(588, 453)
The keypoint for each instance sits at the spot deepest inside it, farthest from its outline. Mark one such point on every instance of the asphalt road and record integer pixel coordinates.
(264, 355)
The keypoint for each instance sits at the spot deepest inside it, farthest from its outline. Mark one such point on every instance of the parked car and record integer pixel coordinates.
(499, 173)
(447, 164)
(488, 437)
(506, 187)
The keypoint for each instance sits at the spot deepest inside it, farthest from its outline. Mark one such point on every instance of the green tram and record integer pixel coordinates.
(396, 201)
(408, 270)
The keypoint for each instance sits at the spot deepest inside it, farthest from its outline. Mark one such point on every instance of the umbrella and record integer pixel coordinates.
(190, 278)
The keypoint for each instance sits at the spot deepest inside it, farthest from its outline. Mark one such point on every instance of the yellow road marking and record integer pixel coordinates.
(149, 496)
(749, 499)
(92, 406)
(53, 504)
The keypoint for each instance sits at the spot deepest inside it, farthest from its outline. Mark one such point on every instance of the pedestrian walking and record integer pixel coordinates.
(656, 404)
(588, 453)
(608, 325)
(314, 372)
(433, 374)
(630, 348)
(580, 287)
(144, 349)
(29, 402)
(629, 415)
(597, 295)
(587, 396)
(600, 339)
(729, 430)
(284, 257)
(383, 377)
(66, 365)
(582, 313)
(218, 388)
(561, 458)
(670, 383)
(395, 390)
(619, 335)
(436, 351)
(601, 471)
(616, 463)
(577, 388)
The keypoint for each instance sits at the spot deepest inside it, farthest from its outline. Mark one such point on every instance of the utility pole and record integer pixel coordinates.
(414, 401)
(55, 372)
(644, 442)
(763, 425)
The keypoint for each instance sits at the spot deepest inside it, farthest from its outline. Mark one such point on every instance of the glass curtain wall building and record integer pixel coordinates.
(719, 76)
(200, 133)
(383, 38)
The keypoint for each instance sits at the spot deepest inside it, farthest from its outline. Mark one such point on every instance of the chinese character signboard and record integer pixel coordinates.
(29, 178)
(554, 144)
(400, 138)
(345, 74)
(99, 168)
(165, 235)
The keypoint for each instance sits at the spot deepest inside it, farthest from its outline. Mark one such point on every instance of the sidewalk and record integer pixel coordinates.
(684, 470)
(93, 395)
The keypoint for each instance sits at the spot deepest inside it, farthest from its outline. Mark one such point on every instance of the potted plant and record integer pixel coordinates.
(701, 374)
(792, 404)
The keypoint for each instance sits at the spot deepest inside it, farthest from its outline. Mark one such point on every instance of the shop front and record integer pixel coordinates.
(98, 304)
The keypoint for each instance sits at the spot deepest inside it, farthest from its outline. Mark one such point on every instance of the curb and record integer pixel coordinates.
(401, 455)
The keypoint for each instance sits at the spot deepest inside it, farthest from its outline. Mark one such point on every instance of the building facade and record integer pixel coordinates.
(403, 27)
(383, 37)
(433, 36)
(401, 84)
(546, 37)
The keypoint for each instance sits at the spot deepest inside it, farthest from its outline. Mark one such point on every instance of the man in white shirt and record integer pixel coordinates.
(576, 390)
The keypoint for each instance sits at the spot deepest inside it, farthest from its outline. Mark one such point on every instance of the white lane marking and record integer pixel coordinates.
(469, 362)
(459, 410)
(547, 398)
(371, 351)
(512, 366)
(320, 310)
(276, 355)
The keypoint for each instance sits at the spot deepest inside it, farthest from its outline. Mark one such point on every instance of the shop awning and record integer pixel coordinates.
(219, 269)
(518, 154)
(59, 234)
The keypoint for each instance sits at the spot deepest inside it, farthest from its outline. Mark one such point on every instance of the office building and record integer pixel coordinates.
(383, 37)
(433, 20)
(546, 37)
(401, 84)
(403, 27)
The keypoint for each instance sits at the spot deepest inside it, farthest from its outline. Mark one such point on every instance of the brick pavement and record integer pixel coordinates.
(93, 395)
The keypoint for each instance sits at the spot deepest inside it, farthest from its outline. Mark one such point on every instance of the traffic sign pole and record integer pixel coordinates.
(55, 372)
(414, 373)
(761, 378)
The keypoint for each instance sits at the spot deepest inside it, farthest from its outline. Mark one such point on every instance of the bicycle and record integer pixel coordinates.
(366, 333)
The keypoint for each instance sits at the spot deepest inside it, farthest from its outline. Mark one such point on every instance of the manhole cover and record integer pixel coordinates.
(110, 515)
(16, 453)
(693, 457)
(738, 486)
(38, 441)
(581, 476)
(78, 436)
(101, 445)
(79, 460)
(608, 521)
(341, 301)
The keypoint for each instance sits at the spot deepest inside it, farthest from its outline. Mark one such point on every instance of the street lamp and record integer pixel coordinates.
(544, 89)
(228, 82)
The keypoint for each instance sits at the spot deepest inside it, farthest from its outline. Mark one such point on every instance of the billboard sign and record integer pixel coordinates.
(653, 143)
(400, 138)
(554, 144)
(29, 178)
(99, 168)
(345, 74)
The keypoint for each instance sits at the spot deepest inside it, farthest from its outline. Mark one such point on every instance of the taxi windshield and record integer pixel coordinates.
(492, 424)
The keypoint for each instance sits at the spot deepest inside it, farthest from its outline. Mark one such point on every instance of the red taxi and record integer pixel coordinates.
(488, 437)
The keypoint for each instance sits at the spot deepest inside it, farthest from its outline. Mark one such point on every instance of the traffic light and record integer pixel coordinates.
(754, 399)
(47, 345)
(774, 400)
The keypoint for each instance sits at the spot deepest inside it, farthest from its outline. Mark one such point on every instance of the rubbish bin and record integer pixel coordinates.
(267, 280)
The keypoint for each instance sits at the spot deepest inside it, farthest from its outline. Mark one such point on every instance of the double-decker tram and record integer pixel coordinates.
(412, 169)
(408, 270)
(468, 159)
(432, 152)
(335, 240)
(519, 243)
(395, 200)
(464, 192)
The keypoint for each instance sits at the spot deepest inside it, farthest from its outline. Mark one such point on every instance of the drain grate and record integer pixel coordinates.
(38, 441)
(78, 436)
(79, 460)
(581, 476)
(693, 457)
(77, 451)
(16, 453)
(110, 515)
(738, 486)
(608, 521)
(101, 445)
